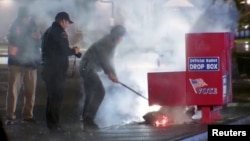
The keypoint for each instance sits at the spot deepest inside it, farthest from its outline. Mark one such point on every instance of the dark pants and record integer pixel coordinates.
(55, 86)
(3, 135)
(94, 94)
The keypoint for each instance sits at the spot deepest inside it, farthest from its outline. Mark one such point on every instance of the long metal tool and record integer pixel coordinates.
(133, 90)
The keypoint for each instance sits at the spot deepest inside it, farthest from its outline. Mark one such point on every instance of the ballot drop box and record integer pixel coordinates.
(206, 82)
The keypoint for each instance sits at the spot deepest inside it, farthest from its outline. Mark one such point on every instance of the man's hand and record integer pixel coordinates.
(77, 50)
(12, 50)
(113, 78)
(36, 35)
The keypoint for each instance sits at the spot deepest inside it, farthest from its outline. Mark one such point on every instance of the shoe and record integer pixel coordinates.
(190, 111)
(90, 125)
(10, 121)
(29, 120)
(197, 115)
(57, 130)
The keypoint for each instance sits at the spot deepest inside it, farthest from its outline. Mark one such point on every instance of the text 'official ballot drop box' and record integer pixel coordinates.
(206, 81)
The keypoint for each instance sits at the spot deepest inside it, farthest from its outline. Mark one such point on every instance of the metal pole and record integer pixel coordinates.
(133, 91)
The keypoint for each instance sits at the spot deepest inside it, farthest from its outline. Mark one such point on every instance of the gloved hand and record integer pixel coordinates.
(77, 52)
(78, 55)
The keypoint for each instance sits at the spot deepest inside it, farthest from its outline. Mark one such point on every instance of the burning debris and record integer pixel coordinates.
(157, 119)
(169, 115)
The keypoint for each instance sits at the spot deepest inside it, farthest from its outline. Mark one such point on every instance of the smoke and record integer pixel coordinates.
(219, 16)
(155, 41)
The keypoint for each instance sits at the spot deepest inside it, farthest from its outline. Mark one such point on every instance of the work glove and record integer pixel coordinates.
(77, 52)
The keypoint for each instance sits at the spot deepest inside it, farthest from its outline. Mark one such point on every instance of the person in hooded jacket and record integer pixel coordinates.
(23, 61)
(98, 57)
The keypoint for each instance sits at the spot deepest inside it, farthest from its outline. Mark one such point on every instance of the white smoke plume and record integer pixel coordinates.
(155, 41)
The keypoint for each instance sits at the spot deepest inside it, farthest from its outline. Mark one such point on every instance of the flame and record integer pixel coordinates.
(161, 121)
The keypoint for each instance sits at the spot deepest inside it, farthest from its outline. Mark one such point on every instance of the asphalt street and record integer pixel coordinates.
(20, 131)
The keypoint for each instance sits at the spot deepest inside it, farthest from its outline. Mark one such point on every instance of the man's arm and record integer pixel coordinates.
(62, 40)
(105, 56)
(13, 35)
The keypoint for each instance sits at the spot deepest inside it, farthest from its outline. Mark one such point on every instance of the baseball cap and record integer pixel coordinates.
(63, 15)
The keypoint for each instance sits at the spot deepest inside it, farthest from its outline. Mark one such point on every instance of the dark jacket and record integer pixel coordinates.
(20, 37)
(99, 56)
(55, 49)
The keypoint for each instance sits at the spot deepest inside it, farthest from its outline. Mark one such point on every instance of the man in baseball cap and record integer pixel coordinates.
(55, 61)
(63, 15)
